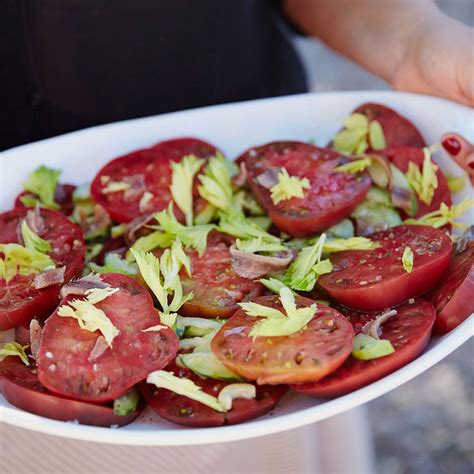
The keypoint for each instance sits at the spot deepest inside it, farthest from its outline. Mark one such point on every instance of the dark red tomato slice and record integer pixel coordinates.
(216, 287)
(63, 197)
(66, 364)
(20, 387)
(409, 332)
(401, 157)
(19, 300)
(330, 198)
(375, 279)
(454, 297)
(397, 129)
(185, 411)
(305, 356)
(22, 334)
(176, 148)
(143, 170)
(146, 170)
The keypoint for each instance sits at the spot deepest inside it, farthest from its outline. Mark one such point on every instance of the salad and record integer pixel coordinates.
(207, 288)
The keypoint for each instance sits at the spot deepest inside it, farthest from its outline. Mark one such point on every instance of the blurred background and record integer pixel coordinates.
(427, 425)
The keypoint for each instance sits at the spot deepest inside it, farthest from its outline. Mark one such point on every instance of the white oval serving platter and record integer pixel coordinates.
(233, 128)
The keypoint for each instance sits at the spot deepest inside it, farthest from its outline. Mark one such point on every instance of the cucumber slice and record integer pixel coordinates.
(193, 331)
(343, 230)
(197, 327)
(206, 364)
(127, 403)
(374, 215)
(379, 196)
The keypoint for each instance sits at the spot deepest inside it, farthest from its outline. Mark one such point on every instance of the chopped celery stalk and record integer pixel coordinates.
(183, 386)
(127, 403)
(273, 284)
(236, 390)
(367, 348)
(150, 242)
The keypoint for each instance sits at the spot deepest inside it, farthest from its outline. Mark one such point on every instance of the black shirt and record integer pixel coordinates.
(70, 64)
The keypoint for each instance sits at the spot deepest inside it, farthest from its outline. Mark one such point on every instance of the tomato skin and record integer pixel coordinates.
(152, 168)
(63, 359)
(156, 172)
(22, 335)
(375, 279)
(20, 387)
(454, 297)
(305, 356)
(398, 130)
(176, 148)
(401, 157)
(330, 198)
(19, 301)
(409, 332)
(63, 197)
(185, 411)
(217, 289)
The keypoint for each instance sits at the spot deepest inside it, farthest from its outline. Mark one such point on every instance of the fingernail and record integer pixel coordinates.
(451, 145)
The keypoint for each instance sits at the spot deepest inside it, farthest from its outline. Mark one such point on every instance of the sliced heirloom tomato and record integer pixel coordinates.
(145, 171)
(63, 198)
(398, 130)
(185, 411)
(454, 297)
(19, 300)
(376, 279)
(22, 334)
(401, 157)
(331, 197)
(307, 355)
(176, 148)
(216, 287)
(68, 365)
(409, 332)
(20, 387)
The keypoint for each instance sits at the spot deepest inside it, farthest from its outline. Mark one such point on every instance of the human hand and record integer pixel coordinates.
(438, 60)
(461, 150)
(410, 44)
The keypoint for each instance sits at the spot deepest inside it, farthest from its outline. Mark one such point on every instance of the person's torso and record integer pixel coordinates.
(69, 65)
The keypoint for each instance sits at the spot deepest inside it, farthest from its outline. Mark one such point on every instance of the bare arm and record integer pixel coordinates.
(411, 44)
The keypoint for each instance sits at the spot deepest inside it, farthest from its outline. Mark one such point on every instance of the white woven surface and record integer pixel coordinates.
(338, 445)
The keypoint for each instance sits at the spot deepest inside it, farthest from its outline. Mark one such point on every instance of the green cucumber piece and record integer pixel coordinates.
(367, 348)
(127, 403)
(206, 364)
(342, 230)
(372, 217)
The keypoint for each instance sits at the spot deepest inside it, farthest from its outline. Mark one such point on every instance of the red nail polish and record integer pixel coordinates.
(451, 145)
(471, 165)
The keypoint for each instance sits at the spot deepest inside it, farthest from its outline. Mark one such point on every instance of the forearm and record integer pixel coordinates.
(373, 33)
